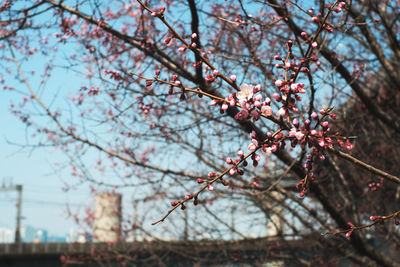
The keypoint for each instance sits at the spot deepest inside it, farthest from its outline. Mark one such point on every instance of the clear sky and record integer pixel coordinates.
(44, 202)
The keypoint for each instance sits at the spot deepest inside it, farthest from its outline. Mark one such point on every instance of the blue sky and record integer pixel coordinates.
(44, 201)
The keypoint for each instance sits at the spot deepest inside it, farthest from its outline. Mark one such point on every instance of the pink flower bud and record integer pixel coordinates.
(233, 78)
(240, 153)
(329, 29)
(299, 135)
(349, 146)
(314, 115)
(314, 44)
(373, 218)
(299, 185)
(194, 35)
(210, 187)
(182, 49)
(277, 97)
(306, 165)
(348, 234)
(257, 97)
(294, 87)
(325, 124)
(276, 57)
(337, 9)
(214, 102)
(188, 196)
(255, 114)
(315, 19)
(232, 171)
(321, 142)
(167, 40)
(304, 35)
(224, 106)
(154, 14)
(216, 72)
(295, 122)
(200, 181)
(279, 83)
(149, 83)
(228, 160)
(305, 69)
(212, 174)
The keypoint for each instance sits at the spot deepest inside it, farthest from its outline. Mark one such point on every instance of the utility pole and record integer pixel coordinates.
(18, 187)
(186, 230)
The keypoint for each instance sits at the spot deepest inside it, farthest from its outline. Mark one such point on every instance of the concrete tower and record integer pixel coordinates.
(107, 217)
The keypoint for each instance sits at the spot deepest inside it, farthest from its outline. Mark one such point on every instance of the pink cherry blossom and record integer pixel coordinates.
(266, 110)
(245, 93)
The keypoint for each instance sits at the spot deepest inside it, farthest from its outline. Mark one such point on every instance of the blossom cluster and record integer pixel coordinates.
(312, 132)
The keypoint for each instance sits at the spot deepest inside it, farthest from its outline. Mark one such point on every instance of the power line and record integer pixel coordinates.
(45, 202)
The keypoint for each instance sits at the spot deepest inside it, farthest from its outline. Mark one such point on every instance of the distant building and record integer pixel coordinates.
(56, 239)
(31, 234)
(7, 235)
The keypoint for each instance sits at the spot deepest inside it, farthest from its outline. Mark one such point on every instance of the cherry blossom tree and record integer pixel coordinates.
(268, 118)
